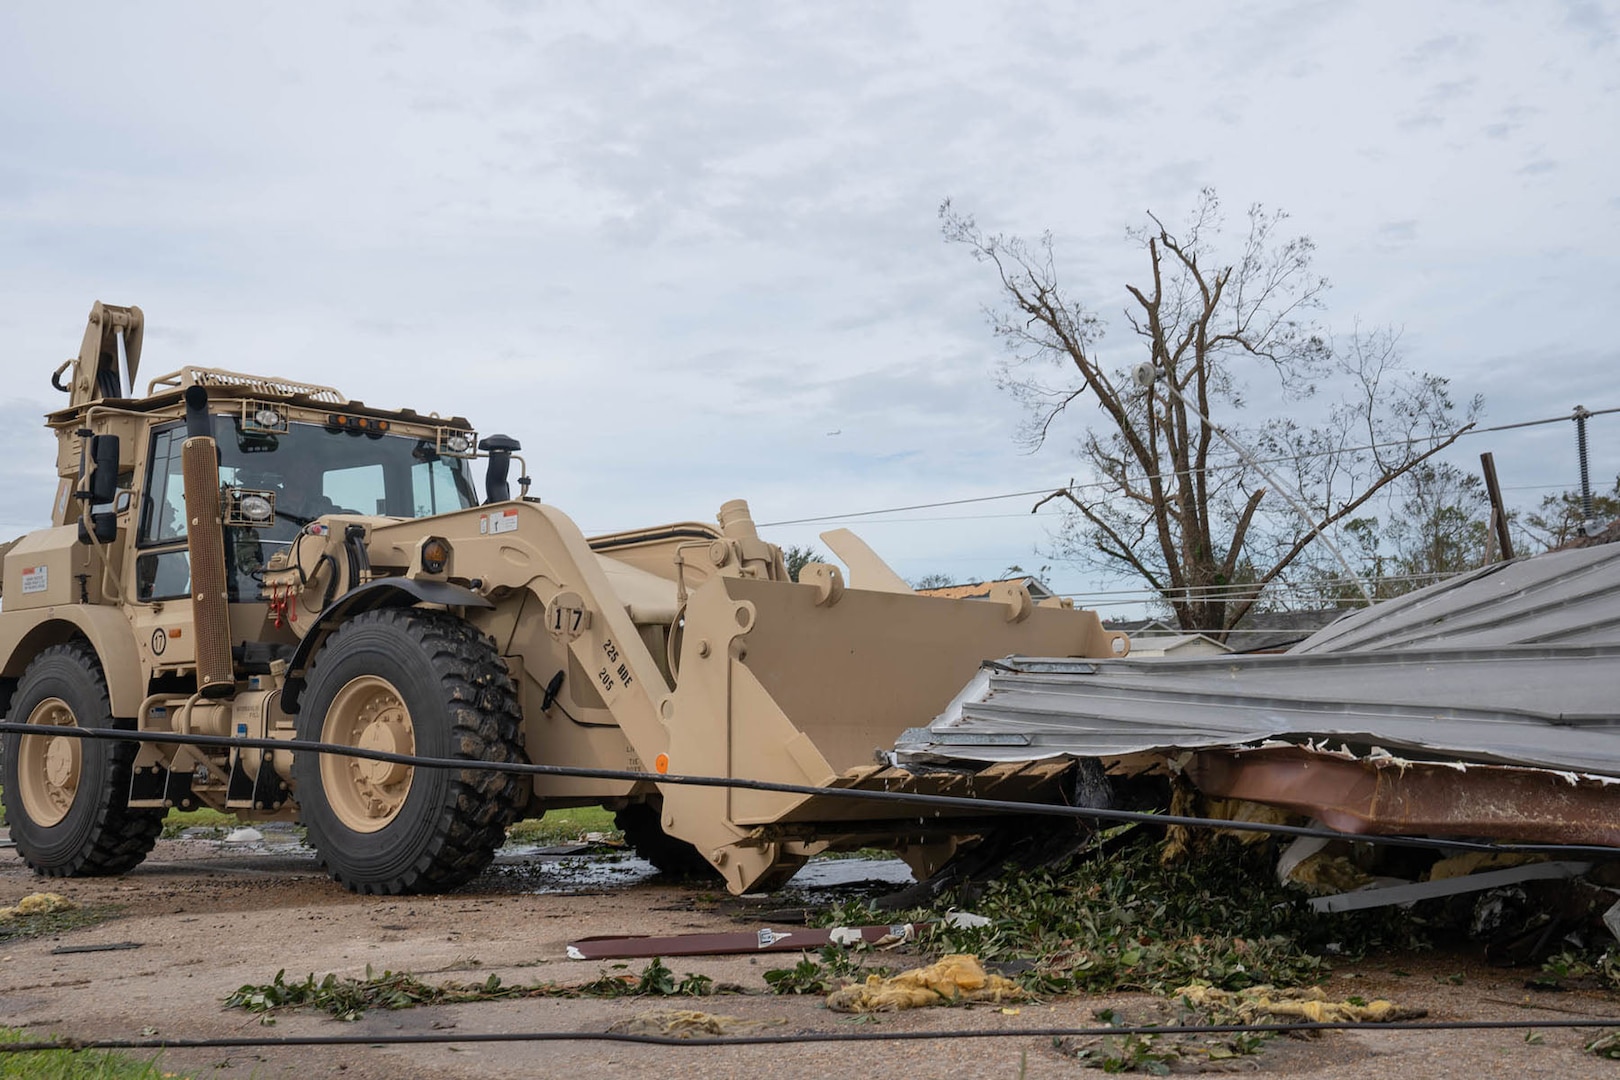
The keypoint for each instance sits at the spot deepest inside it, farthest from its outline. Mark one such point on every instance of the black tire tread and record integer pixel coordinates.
(120, 838)
(644, 831)
(486, 726)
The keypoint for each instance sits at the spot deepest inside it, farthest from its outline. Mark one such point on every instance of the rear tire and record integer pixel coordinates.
(409, 681)
(67, 799)
(644, 831)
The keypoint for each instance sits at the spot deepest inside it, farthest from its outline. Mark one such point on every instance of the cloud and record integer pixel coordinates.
(671, 248)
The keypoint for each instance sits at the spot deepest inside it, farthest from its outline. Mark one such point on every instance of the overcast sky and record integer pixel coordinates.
(690, 252)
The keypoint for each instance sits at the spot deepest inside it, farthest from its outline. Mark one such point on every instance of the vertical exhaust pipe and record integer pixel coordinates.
(205, 542)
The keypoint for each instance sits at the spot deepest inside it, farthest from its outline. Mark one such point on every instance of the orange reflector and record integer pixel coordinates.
(174, 633)
(661, 764)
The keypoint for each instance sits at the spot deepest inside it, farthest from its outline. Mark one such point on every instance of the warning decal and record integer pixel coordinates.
(35, 579)
(499, 522)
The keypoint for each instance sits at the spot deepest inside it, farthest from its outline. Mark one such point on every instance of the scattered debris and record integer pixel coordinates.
(1410, 892)
(111, 946)
(40, 903)
(952, 980)
(749, 941)
(244, 835)
(1270, 1004)
(348, 998)
(688, 1024)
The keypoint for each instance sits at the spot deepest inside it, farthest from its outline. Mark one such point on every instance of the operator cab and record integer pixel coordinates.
(280, 477)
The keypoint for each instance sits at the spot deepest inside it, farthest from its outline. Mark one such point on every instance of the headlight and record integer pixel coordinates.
(456, 442)
(435, 554)
(249, 508)
(267, 418)
(256, 508)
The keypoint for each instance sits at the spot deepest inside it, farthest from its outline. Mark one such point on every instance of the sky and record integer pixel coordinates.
(691, 252)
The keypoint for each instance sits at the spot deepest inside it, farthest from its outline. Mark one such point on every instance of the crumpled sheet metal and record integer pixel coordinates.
(1553, 707)
(953, 980)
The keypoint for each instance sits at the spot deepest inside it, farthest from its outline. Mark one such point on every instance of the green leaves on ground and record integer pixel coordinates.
(835, 967)
(349, 998)
(1124, 921)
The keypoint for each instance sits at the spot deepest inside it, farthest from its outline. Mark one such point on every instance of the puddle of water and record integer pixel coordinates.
(542, 874)
(259, 837)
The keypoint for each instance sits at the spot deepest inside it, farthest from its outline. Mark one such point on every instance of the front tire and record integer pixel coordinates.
(408, 681)
(67, 799)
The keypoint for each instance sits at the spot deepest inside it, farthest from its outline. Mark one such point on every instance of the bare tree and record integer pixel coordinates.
(1172, 502)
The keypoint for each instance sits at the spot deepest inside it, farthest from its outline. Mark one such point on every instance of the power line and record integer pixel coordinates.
(1108, 485)
(430, 1038)
(943, 802)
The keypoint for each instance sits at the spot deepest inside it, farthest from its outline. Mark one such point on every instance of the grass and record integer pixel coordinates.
(563, 826)
(73, 1064)
(556, 827)
(178, 821)
(55, 922)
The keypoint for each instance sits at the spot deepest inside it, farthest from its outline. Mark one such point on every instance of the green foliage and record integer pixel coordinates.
(1589, 967)
(1156, 1054)
(1129, 1053)
(1606, 1045)
(176, 822)
(796, 556)
(836, 967)
(1126, 922)
(73, 1064)
(349, 998)
(56, 922)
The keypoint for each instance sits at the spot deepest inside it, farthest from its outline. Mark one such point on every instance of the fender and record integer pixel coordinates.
(24, 633)
(390, 592)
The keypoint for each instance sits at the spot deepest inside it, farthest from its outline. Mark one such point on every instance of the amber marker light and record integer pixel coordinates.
(435, 554)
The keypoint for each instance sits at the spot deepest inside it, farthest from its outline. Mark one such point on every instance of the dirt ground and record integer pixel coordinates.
(210, 916)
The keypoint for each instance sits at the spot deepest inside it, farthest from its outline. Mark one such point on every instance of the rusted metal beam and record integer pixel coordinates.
(1385, 796)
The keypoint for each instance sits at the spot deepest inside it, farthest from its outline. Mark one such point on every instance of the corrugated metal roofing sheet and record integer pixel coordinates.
(1517, 663)
(1554, 707)
(1564, 598)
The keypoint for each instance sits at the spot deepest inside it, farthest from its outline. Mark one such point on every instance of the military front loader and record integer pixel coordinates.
(252, 557)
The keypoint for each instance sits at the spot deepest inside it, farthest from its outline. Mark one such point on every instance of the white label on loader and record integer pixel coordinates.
(35, 579)
(499, 522)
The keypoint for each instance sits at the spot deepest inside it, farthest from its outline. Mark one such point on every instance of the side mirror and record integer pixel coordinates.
(103, 485)
(500, 449)
(100, 490)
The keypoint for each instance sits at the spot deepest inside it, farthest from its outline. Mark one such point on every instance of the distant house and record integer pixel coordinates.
(980, 590)
(1175, 645)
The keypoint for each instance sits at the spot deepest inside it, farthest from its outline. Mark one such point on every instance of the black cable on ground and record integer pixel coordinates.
(917, 799)
(445, 1037)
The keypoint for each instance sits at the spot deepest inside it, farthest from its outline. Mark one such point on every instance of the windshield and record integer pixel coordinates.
(313, 471)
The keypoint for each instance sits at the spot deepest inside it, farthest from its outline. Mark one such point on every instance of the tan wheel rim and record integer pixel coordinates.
(370, 714)
(49, 766)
